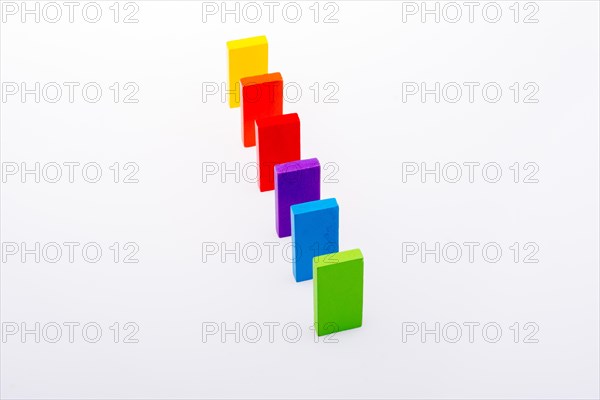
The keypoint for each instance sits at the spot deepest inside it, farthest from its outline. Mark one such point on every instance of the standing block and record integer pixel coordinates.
(315, 231)
(262, 96)
(277, 142)
(295, 182)
(247, 57)
(338, 291)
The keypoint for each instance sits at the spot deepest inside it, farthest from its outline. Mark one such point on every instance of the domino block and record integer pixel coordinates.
(295, 182)
(315, 231)
(262, 96)
(338, 291)
(277, 142)
(247, 57)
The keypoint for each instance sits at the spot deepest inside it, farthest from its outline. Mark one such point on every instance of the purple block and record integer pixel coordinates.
(295, 182)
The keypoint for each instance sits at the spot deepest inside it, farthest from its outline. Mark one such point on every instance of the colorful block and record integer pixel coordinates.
(295, 182)
(315, 231)
(262, 96)
(338, 291)
(277, 142)
(247, 57)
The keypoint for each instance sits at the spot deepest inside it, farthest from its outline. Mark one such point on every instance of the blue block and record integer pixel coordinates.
(315, 232)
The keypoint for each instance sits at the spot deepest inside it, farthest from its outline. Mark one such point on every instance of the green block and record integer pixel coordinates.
(338, 291)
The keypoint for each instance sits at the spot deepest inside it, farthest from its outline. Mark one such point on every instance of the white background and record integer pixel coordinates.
(171, 54)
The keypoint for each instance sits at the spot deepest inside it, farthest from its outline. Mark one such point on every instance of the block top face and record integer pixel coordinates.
(341, 257)
(312, 206)
(278, 120)
(295, 166)
(248, 42)
(258, 79)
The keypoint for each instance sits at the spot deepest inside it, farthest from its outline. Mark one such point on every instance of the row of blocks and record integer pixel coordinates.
(312, 222)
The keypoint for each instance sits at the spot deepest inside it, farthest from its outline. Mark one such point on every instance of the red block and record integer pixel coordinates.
(262, 96)
(278, 142)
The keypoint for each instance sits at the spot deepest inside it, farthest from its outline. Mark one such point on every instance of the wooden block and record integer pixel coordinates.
(338, 291)
(262, 96)
(315, 231)
(277, 142)
(247, 57)
(295, 182)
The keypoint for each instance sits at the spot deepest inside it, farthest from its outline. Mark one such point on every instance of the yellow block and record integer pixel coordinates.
(247, 57)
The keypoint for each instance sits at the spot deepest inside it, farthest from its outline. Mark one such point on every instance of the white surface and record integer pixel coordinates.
(170, 293)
